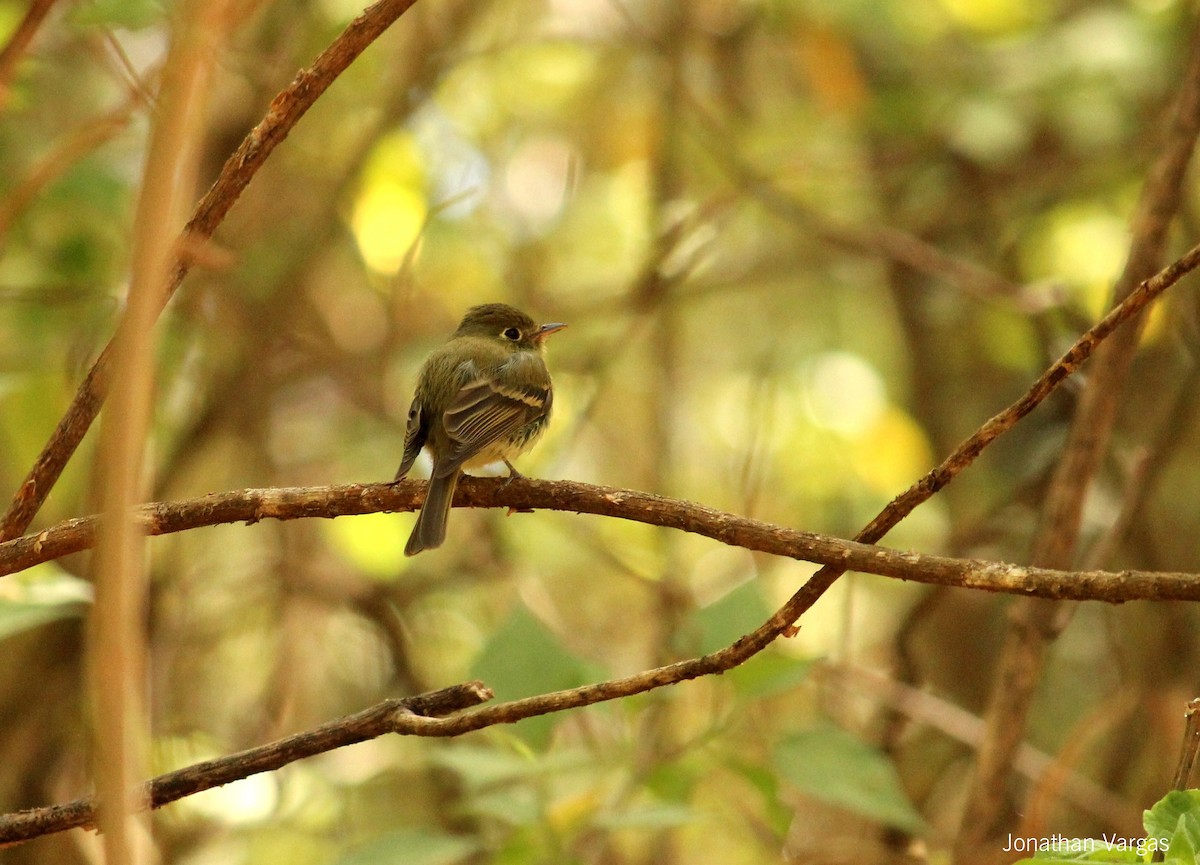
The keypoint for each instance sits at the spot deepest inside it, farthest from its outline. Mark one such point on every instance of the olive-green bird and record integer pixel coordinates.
(482, 397)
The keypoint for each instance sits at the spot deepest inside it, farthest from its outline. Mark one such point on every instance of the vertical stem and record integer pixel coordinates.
(1191, 745)
(118, 634)
(1187, 757)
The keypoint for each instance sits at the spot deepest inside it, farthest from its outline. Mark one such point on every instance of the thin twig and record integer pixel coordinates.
(77, 534)
(285, 111)
(969, 449)
(117, 644)
(1187, 758)
(1190, 746)
(18, 44)
(884, 241)
(68, 151)
(955, 722)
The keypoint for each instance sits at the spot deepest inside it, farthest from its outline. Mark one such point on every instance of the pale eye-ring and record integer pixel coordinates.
(512, 333)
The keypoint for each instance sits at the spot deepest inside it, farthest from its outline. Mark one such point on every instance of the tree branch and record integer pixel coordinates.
(253, 505)
(408, 715)
(285, 111)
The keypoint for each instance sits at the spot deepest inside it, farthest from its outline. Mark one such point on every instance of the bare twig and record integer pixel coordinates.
(969, 449)
(884, 241)
(408, 715)
(1034, 626)
(285, 111)
(78, 534)
(1187, 758)
(1190, 746)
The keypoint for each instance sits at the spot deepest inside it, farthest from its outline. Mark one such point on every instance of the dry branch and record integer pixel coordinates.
(254, 505)
(973, 445)
(405, 715)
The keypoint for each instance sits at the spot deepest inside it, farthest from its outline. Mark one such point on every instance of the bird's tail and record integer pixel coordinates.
(430, 530)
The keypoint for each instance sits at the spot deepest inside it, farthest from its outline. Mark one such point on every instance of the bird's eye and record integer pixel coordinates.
(511, 333)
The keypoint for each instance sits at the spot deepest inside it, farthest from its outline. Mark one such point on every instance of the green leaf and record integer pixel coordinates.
(511, 806)
(738, 612)
(1185, 841)
(1162, 819)
(525, 658)
(509, 785)
(778, 814)
(769, 673)
(831, 765)
(18, 616)
(413, 847)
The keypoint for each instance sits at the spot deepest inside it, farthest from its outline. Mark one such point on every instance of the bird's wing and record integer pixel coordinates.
(414, 437)
(486, 411)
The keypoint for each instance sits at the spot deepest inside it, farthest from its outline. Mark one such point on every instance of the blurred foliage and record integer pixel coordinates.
(694, 187)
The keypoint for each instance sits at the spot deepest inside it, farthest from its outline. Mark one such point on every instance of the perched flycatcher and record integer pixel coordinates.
(482, 397)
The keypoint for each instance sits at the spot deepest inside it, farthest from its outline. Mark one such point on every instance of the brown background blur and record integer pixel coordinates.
(704, 191)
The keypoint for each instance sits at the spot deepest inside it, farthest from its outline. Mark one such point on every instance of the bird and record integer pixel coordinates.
(484, 396)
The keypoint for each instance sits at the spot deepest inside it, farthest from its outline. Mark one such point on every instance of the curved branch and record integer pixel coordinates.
(253, 505)
(285, 111)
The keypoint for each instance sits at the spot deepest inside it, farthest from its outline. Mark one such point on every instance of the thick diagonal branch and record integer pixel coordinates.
(1034, 625)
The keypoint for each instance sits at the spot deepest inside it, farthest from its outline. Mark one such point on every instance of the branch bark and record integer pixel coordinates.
(409, 715)
(285, 111)
(253, 505)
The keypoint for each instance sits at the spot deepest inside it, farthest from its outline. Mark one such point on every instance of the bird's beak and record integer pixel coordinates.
(546, 329)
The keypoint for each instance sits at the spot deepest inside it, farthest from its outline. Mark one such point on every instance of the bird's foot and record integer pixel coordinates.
(513, 474)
